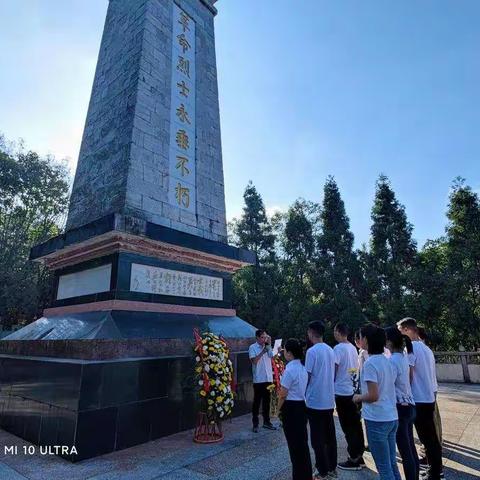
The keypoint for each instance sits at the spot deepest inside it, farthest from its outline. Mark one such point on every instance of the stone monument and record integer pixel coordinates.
(144, 258)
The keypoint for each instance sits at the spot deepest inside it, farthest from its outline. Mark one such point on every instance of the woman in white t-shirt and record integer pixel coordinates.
(293, 410)
(401, 346)
(378, 399)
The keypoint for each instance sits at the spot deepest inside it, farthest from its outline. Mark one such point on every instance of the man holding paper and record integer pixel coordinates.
(261, 354)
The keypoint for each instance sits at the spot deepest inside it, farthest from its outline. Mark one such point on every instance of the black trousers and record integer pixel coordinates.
(427, 433)
(294, 419)
(350, 421)
(261, 395)
(323, 439)
(406, 443)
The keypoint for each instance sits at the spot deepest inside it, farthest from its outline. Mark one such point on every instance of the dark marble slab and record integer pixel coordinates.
(106, 349)
(102, 406)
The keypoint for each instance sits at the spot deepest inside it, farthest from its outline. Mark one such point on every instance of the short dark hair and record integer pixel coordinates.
(398, 340)
(293, 346)
(259, 332)
(375, 339)
(317, 327)
(408, 322)
(342, 329)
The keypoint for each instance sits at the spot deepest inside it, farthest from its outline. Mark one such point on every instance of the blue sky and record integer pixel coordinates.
(341, 87)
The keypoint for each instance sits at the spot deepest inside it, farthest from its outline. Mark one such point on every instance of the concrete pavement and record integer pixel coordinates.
(243, 454)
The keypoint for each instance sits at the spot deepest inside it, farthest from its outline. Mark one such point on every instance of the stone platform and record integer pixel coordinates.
(244, 455)
(107, 395)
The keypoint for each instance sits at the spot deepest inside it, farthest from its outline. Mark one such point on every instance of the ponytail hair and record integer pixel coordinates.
(408, 343)
(398, 340)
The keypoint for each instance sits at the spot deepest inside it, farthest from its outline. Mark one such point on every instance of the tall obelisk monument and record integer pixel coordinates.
(151, 146)
(146, 230)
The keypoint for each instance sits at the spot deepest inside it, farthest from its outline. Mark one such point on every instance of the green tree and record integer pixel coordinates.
(430, 284)
(463, 258)
(33, 201)
(391, 258)
(298, 246)
(253, 230)
(256, 287)
(338, 279)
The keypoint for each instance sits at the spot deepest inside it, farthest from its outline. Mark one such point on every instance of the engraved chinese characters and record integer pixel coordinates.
(161, 281)
(182, 118)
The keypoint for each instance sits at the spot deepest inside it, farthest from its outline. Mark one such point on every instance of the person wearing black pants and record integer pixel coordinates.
(424, 387)
(350, 421)
(320, 401)
(323, 439)
(346, 362)
(293, 411)
(261, 395)
(427, 433)
(260, 354)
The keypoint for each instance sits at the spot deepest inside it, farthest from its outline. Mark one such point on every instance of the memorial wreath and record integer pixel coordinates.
(214, 376)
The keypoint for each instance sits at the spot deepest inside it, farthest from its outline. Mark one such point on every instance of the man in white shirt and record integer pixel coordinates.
(346, 362)
(260, 354)
(320, 400)
(424, 389)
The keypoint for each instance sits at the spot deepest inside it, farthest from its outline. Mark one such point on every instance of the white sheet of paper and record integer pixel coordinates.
(277, 345)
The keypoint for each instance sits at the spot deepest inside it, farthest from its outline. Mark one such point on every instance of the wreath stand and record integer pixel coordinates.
(207, 432)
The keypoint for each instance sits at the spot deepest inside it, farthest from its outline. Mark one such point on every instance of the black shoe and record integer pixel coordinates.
(269, 426)
(427, 475)
(255, 429)
(352, 465)
(425, 472)
(423, 462)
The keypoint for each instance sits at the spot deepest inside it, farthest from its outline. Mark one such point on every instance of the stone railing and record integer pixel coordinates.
(457, 367)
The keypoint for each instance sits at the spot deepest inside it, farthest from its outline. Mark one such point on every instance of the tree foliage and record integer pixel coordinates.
(256, 287)
(392, 255)
(337, 276)
(33, 201)
(309, 267)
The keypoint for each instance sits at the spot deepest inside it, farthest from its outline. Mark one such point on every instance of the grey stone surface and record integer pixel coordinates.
(244, 455)
(123, 161)
(7, 472)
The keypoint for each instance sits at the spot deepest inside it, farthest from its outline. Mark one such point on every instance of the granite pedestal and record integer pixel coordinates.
(132, 392)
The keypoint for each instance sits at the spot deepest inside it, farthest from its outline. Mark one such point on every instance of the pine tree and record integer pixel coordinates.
(255, 287)
(391, 257)
(253, 231)
(463, 254)
(298, 244)
(337, 278)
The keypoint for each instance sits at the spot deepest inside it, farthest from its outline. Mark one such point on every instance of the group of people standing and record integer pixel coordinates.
(390, 382)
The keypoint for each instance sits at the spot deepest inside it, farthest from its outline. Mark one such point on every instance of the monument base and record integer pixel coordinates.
(134, 391)
(130, 324)
(110, 365)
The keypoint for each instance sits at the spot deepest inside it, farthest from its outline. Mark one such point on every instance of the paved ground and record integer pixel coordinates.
(243, 455)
